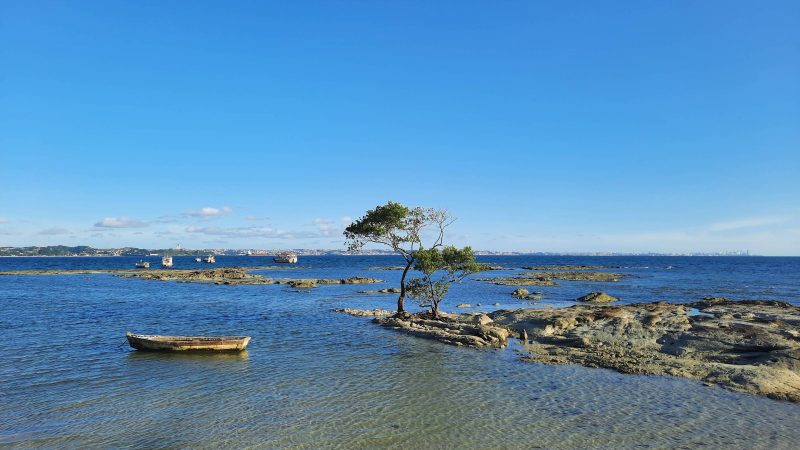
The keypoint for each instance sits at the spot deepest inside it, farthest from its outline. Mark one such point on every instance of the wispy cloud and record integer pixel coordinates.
(3, 220)
(255, 218)
(209, 212)
(54, 231)
(750, 222)
(331, 227)
(120, 222)
(251, 232)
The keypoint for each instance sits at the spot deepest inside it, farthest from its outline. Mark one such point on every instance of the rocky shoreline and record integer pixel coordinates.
(744, 346)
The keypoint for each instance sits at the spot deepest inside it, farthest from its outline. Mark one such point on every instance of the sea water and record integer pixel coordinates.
(312, 378)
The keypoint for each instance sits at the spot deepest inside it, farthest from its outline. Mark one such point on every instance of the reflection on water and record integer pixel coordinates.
(312, 378)
(208, 358)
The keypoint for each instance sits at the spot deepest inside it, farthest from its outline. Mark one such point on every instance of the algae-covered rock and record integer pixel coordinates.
(302, 284)
(597, 297)
(364, 312)
(746, 346)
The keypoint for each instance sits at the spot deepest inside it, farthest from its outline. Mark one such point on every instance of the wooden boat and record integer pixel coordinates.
(157, 343)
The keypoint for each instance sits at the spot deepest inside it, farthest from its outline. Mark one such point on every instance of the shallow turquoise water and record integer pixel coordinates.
(312, 378)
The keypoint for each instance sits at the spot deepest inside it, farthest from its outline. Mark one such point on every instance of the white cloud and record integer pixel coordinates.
(251, 232)
(54, 231)
(750, 222)
(323, 224)
(120, 222)
(209, 212)
(3, 220)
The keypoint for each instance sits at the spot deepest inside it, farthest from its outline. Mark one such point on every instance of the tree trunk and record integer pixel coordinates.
(402, 298)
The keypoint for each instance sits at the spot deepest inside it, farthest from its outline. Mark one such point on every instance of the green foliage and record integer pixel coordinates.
(386, 224)
(399, 228)
(440, 268)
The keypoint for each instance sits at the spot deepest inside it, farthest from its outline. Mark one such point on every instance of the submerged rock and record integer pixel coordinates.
(597, 297)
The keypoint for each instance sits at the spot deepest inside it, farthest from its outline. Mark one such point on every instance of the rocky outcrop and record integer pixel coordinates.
(302, 284)
(472, 331)
(382, 291)
(236, 276)
(597, 297)
(549, 278)
(524, 294)
(351, 280)
(745, 346)
(518, 281)
(364, 312)
(222, 275)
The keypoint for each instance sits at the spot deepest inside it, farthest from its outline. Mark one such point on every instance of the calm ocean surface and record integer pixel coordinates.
(312, 378)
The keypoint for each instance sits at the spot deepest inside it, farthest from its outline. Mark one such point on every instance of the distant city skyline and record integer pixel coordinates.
(630, 127)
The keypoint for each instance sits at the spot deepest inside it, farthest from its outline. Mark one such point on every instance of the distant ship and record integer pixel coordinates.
(197, 259)
(166, 261)
(142, 264)
(209, 259)
(288, 258)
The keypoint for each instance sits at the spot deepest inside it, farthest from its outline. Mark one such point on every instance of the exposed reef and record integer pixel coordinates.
(129, 271)
(482, 266)
(364, 312)
(221, 275)
(570, 267)
(475, 330)
(548, 278)
(381, 291)
(745, 346)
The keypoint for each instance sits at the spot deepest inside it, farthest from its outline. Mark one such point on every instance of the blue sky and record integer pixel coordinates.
(543, 126)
